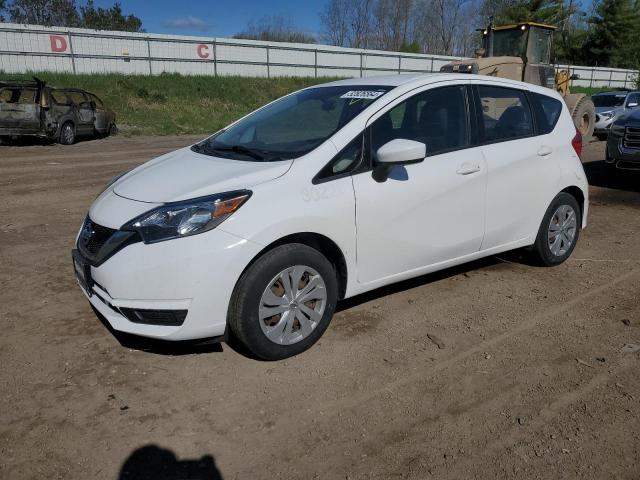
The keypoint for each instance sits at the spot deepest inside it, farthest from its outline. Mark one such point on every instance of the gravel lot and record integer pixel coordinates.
(533, 379)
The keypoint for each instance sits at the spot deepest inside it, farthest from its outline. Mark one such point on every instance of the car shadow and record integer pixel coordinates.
(161, 347)
(151, 462)
(599, 174)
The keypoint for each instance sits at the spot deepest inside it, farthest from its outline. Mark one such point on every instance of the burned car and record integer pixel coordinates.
(32, 108)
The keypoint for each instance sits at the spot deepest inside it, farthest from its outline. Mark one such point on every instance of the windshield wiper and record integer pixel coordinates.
(255, 154)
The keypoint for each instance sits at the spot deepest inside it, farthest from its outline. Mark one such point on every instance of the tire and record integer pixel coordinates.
(67, 134)
(584, 117)
(546, 253)
(113, 130)
(601, 136)
(261, 291)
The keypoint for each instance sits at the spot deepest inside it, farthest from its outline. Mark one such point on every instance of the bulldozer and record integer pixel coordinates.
(523, 52)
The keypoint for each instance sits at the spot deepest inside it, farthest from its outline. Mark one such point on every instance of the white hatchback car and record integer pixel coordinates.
(259, 230)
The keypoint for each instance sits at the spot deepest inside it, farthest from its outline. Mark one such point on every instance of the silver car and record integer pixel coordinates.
(610, 106)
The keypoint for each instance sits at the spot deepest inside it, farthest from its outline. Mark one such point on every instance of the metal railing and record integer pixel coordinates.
(30, 43)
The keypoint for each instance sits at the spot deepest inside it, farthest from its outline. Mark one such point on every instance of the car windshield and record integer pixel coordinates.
(608, 100)
(293, 125)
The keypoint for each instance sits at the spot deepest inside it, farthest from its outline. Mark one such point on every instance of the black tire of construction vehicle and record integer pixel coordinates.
(584, 117)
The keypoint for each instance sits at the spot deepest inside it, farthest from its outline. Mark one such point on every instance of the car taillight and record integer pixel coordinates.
(576, 143)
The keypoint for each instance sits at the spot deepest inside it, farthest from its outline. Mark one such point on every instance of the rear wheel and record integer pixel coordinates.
(67, 134)
(112, 130)
(559, 231)
(284, 302)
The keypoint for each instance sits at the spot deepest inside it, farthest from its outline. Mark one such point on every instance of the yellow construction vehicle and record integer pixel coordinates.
(523, 52)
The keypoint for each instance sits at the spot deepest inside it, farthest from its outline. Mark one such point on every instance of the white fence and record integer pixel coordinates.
(25, 48)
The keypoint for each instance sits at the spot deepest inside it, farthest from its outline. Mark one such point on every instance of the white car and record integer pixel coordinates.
(259, 230)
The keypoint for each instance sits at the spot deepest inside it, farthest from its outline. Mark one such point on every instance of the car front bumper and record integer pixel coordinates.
(623, 157)
(194, 275)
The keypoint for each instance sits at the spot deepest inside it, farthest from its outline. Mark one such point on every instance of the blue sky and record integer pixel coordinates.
(220, 18)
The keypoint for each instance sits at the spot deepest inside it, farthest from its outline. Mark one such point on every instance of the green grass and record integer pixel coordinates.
(172, 104)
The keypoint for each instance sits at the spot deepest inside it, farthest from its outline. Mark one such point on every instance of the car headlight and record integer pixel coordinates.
(608, 115)
(185, 218)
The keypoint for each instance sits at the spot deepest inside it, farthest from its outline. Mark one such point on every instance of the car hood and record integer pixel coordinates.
(185, 174)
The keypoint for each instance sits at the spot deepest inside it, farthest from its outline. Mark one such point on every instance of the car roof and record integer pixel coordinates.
(409, 81)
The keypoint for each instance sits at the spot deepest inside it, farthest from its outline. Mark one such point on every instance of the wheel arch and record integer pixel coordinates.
(317, 241)
(577, 193)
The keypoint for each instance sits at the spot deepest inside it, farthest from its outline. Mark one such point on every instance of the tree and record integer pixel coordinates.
(109, 18)
(614, 39)
(58, 13)
(274, 28)
(1, 10)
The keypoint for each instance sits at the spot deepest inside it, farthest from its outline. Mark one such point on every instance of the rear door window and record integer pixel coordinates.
(77, 98)
(505, 113)
(59, 97)
(547, 111)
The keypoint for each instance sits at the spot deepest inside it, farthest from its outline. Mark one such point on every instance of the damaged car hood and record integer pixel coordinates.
(185, 174)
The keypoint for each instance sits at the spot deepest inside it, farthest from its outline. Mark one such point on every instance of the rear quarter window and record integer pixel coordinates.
(547, 111)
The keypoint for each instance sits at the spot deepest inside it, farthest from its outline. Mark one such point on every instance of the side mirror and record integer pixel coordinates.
(397, 152)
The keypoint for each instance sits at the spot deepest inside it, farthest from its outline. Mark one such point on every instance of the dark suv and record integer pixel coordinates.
(623, 143)
(35, 109)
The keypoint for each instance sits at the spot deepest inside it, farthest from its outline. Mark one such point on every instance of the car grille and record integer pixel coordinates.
(631, 137)
(97, 243)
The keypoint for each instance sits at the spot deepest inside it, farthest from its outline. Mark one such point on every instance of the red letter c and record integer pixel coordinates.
(203, 51)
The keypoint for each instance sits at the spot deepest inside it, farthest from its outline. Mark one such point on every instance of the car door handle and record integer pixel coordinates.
(467, 168)
(544, 150)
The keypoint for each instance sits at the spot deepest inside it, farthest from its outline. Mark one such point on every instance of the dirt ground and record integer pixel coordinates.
(532, 381)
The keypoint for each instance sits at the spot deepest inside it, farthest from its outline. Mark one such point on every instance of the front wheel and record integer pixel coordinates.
(284, 302)
(559, 231)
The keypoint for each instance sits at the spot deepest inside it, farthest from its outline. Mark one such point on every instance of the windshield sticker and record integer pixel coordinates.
(366, 94)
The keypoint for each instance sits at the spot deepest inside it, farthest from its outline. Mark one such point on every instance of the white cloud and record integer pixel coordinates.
(188, 23)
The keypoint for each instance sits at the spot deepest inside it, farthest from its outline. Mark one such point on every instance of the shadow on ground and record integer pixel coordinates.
(154, 463)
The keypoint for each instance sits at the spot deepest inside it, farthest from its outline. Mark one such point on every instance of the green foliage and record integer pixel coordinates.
(553, 12)
(171, 104)
(109, 18)
(413, 47)
(614, 39)
(2, 7)
(59, 13)
(65, 13)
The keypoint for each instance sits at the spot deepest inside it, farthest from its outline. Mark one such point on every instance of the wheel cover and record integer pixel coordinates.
(562, 230)
(292, 305)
